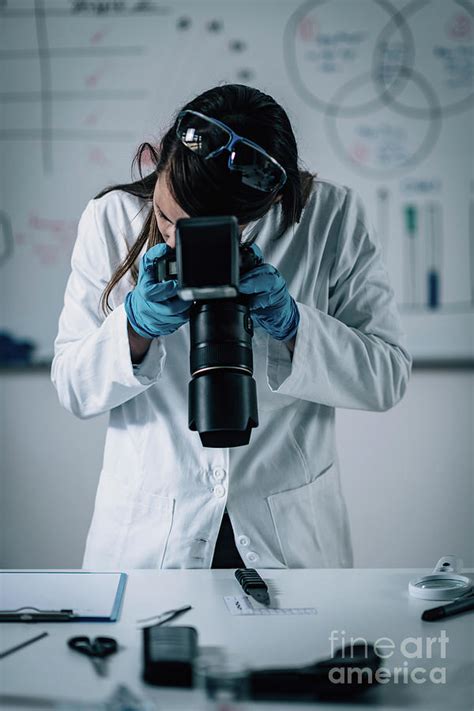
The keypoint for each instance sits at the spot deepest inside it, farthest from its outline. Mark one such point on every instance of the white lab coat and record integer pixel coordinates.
(161, 494)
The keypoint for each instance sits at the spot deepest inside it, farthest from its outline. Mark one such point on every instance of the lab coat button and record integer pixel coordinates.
(219, 491)
(219, 473)
(244, 541)
(252, 557)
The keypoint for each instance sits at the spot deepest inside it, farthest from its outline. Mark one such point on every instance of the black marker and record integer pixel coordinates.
(453, 608)
(253, 585)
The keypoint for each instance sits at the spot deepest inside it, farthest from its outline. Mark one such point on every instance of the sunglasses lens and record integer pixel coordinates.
(257, 170)
(201, 136)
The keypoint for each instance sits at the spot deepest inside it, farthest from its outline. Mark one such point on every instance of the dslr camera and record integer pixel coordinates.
(207, 264)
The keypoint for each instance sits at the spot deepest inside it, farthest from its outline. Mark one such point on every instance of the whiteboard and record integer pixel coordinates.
(380, 94)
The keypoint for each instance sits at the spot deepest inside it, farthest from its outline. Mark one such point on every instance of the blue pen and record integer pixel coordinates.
(433, 241)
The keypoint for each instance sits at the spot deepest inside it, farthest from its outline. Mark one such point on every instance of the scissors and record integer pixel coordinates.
(98, 650)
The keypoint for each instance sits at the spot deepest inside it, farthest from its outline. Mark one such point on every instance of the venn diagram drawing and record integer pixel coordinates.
(385, 77)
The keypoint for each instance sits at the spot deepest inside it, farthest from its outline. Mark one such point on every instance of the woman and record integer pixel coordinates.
(327, 335)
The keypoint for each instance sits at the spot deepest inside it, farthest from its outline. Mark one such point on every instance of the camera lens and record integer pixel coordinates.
(221, 337)
(222, 391)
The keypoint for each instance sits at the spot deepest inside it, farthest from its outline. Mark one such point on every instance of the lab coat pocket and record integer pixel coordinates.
(268, 401)
(129, 529)
(311, 524)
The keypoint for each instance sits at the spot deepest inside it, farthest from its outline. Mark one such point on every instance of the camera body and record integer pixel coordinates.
(207, 264)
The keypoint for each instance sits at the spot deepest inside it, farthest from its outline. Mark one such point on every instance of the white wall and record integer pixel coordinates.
(407, 474)
(111, 77)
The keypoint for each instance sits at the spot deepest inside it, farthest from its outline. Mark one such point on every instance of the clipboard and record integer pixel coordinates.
(59, 596)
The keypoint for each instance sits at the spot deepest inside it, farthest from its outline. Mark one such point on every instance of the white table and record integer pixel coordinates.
(371, 604)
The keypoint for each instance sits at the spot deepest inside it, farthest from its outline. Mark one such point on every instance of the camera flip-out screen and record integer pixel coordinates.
(207, 251)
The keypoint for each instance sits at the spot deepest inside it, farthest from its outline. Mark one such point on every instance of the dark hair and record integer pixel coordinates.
(209, 187)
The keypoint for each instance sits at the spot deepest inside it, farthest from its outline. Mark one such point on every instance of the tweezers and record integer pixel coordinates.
(167, 615)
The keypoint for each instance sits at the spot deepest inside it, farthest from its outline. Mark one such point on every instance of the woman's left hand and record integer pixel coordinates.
(271, 305)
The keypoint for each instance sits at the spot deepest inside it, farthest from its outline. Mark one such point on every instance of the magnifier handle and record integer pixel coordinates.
(449, 564)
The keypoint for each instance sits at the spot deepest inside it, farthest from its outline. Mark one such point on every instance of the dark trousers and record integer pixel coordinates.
(226, 554)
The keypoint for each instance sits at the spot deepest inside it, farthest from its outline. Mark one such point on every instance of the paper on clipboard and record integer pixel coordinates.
(91, 596)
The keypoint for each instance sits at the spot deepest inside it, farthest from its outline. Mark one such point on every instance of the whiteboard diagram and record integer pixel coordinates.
(380, 93)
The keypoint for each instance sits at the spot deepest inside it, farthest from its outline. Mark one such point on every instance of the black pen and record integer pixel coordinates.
(453, 608)
(23, 644)
(252, 584)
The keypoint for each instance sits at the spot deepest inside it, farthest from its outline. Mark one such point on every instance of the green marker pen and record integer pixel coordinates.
(410, 214)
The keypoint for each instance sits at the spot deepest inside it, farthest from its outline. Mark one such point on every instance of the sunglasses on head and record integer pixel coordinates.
(208, 138)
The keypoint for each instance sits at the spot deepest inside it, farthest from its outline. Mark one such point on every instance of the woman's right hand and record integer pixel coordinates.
(153, 308)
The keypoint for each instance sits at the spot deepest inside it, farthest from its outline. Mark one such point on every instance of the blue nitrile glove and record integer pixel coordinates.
(271, 305)
(153, 308)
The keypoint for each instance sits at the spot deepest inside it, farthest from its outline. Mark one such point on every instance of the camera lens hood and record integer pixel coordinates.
(223, 407)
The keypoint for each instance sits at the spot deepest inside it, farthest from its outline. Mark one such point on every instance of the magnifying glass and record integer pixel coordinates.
(444, 583)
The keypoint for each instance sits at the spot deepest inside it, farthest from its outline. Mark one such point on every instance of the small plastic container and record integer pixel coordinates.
(223, 678)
